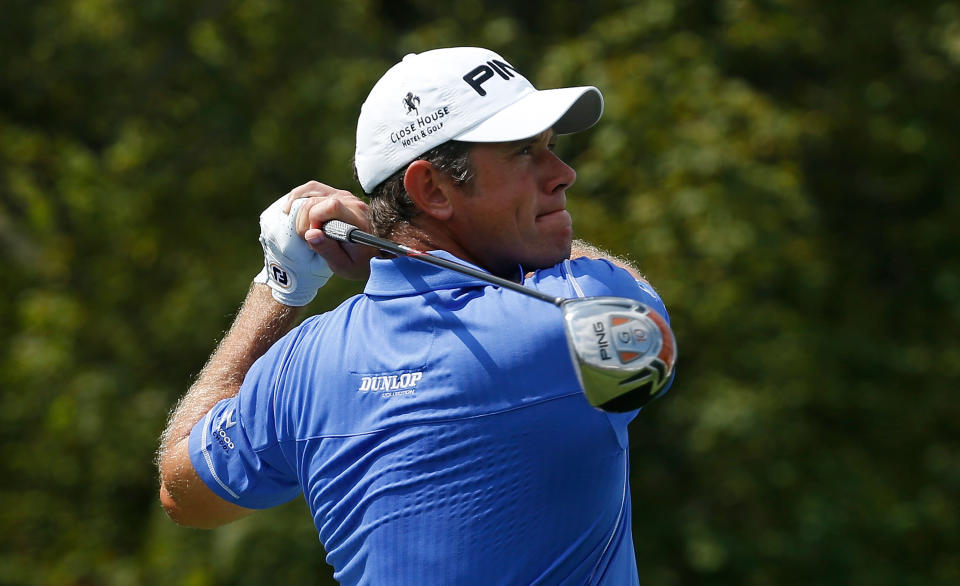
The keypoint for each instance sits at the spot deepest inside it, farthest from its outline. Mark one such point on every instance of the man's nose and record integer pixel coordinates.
(561, 175)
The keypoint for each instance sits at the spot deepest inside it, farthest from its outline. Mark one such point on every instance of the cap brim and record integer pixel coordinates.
(566, 110)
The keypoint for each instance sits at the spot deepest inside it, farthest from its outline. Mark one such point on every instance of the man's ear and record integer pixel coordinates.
(429, 189)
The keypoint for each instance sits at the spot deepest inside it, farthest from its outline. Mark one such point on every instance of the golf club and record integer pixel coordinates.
(622, 350)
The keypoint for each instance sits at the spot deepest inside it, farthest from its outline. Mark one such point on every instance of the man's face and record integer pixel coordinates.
(513, 212)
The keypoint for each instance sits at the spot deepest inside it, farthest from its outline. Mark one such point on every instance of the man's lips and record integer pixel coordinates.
(553, 213)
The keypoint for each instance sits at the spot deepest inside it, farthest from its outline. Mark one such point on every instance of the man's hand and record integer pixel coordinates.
(322, 203)
(295, 269)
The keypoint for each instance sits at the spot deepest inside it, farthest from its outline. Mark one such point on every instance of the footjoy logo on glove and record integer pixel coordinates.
(279, 275)
(391, 385)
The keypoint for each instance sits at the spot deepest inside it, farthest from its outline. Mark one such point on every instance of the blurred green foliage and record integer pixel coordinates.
(784, 172)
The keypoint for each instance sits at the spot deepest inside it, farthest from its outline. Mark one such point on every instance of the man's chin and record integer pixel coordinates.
(548, 259)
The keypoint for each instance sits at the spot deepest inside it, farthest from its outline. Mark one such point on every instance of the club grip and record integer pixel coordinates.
(338, 230)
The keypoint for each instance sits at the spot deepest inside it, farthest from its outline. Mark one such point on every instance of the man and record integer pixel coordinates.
(434, 424)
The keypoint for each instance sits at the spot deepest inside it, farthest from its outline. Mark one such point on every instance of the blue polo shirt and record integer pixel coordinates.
(435, 426)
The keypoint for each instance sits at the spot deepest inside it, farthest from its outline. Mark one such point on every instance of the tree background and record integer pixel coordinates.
(785, 172)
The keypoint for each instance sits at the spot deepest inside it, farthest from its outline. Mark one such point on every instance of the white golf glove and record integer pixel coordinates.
(290, 267)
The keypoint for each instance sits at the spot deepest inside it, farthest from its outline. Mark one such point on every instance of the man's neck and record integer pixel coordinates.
(437, 237)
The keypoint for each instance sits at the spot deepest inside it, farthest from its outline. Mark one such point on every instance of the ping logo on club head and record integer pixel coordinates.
(280, 276)
(602, 341)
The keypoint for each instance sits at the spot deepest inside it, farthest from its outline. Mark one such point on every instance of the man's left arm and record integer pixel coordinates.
(260, 322)
(646, 292)
(291, 277)
(585, 249)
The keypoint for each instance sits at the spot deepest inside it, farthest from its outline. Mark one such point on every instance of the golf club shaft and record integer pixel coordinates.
(348, 233)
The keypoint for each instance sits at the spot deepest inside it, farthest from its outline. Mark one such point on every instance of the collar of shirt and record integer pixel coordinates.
(408, 276)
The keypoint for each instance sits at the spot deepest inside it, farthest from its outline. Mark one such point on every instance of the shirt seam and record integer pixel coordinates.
(571, 279)
(616, 525)
(209, 459)
(420, 423)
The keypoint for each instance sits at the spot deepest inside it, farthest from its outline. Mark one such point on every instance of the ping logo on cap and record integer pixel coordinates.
(485, 72)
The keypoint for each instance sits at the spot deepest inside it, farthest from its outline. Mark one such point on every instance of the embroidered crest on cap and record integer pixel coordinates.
(411, 102)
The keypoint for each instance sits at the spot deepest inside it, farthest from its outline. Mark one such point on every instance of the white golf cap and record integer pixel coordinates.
(463, 93)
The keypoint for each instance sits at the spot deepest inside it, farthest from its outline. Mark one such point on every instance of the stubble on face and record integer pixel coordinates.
(516, 204)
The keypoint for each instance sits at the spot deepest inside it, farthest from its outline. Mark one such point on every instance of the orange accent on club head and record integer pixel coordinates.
(628, 356)
(668, 352)
(619, 321)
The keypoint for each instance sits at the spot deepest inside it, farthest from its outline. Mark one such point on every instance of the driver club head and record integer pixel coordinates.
(623, 351)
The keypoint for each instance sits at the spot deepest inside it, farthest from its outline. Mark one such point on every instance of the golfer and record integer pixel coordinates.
(434, 424)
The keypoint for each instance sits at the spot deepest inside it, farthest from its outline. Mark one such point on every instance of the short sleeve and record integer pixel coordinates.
(235, 449)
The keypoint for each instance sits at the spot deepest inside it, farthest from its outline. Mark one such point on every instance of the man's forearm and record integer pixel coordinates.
(270, 309)
(260, 322)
